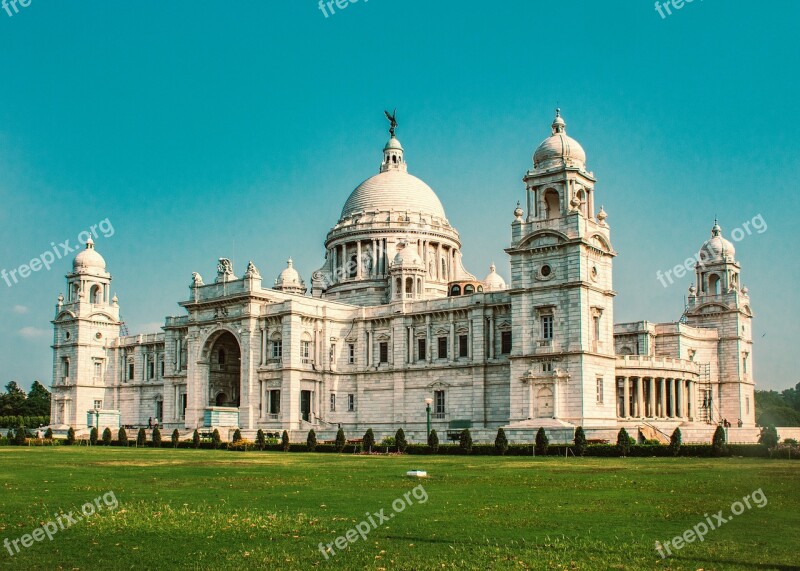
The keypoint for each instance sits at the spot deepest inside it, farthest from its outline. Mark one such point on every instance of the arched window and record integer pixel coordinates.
(552, 204)
(584, 205)
(713, 284)
(455, 290)
(221, 357)
(96, 294)
(468, 289)
(352, 267)
(409, 287)
(480, 289)
(398, 287)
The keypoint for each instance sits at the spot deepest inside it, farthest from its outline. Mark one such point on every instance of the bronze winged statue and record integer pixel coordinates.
(392, 117)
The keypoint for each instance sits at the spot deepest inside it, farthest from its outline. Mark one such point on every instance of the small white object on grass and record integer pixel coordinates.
(417, 473)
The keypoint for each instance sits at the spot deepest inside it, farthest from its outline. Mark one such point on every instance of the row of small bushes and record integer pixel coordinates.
(29, 421)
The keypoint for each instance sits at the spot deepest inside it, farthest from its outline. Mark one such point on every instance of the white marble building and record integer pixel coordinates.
(393, 318)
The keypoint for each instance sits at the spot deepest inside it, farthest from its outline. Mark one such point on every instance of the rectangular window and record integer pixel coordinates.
(98, 369)
(351, 354)
(505, 343)
(744, 363)
(275, 401)
(421, 350)
(65, 367)
(151, 369)
(599, 390)
(547, 326)
(305, 351)
(547, 367)
(183, 406)
(442, 348)
(333, 402)
(463, 346)
(747, 405)
(98, 404)
(351, 403)
(162, 367)
(277, 349)
(384, 352)
(596, 320)
(130, 371)
(438, 401)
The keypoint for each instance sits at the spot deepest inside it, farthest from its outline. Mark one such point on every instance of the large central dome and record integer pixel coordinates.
(393, 189)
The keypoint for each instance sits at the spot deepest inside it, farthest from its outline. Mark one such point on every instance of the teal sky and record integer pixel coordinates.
(208, 129)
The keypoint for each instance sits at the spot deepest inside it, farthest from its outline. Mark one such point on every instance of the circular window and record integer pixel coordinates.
(594, 272)
(98, 335)
(546, 270)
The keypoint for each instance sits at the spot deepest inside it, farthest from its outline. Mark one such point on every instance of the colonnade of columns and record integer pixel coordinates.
(656, 397)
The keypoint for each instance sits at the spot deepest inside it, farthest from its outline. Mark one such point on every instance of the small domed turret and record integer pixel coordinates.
(289, 280)
(717, 248)
(89, 260)
(494, 281)
(559, 149)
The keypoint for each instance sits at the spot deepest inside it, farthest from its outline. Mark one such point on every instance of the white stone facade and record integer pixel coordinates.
(393, 319)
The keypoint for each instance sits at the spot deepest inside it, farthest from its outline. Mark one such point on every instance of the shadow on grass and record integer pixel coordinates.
(770, 566)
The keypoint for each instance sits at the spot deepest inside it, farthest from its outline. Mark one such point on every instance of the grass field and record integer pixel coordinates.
(195, 509)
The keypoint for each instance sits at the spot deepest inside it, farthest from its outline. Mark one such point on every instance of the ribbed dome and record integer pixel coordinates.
(289, 276)
(559, 148)
(89, 259)
(494, 281)
(407, 256)
(717, 248)
(394, 190)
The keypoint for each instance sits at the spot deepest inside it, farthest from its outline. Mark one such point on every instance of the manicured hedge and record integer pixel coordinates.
(26, 421)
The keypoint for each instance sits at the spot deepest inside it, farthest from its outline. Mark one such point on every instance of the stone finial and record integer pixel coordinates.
(197, 280)
(252, 272)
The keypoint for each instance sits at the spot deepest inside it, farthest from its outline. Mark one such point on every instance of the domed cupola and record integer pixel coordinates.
(289, 280)
(89, 260)
(494, 281)
(716, 248)
(559, 149)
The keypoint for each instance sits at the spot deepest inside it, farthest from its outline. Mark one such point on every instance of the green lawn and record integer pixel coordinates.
(195, 509)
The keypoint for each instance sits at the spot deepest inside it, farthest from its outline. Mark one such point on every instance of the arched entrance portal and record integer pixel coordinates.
(544, 403)
(224, 372)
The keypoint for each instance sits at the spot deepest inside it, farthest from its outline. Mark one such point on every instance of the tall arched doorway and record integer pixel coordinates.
(544, 403)
(224, 372)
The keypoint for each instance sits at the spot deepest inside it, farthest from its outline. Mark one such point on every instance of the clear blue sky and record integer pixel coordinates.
(194, 125)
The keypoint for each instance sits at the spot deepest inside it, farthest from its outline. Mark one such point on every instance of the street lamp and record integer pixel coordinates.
(428, 402)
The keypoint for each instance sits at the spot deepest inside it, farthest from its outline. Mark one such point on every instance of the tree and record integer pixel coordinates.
(176, 438)
(400, 440)
(675, 442)
(93, 436)
(156, 437)
(465, 441)
(623, 442)
(542, 443)
(580, 441)
(48, 435)
(311, 440)
(12, 402)
(501, 442)
(216, 440)
(369, 440)
(340, 440)
(433, 442)
(70, 436)
(141, 437)
(19, 437)
(38, 401)
(719, 446)
(196, 439)
(237, 436)
(768, 436)
(107, 437)
(285, 441)
(122, 437)
(261, 440)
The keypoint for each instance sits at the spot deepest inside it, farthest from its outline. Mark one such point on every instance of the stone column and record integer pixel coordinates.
(469, 339)
(491, 336)
(652, 399)
(662, 405)
(640, 397)
(451, 353)
(671, 391)
(410, 344)
(626, 405)
(428, 348)
(374, 260)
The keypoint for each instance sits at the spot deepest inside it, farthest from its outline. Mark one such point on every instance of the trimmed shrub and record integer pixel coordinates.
(10, 436)
(433, 442)
(122, 437)
(19, 437)
(580, 442)
(237, 436)
(70, 436)
(285, 441)
(340, 440)
(768, 436)
(400, 440)
(107, 437)
(216, 440)
(176, 437)
(623, 442)
(156, 437)
(261, 439)
(501, 442)
(48, 435)
(141, 437)
(675, 442)
(719, 445)
(465, 441)
(311, 440)
(542, 443)
(369, 440)
(196, 439)
(93, 436)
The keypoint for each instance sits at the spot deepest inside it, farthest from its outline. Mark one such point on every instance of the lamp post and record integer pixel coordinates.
(428, 402)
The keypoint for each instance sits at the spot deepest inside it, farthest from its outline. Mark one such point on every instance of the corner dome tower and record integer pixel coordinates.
(559, 148)
(717, 248)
